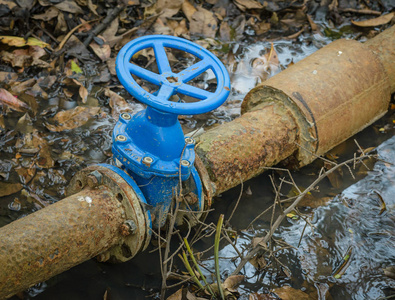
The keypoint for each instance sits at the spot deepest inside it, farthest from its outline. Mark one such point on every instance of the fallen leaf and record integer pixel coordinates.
(21, 86)
(15, 41)
(69, 6)
(75, 68)
(232, 282)
(25, 174)
(25, 124)
(117, 103)
(188, 9)
(166, 8)
(111, 66)
(289, 293)
(102, 51)
(384, 19)
(49, 14)
(111, 31)
(259, 262)
(243, 5)
(9, 188)
(390, 272)
(256, 296)
(203, 23)
(6, 98)
(8, 77)
(73, 118)
(82, 91)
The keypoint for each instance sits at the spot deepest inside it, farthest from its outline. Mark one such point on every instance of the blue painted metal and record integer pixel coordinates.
(150, 145)
(171, 83)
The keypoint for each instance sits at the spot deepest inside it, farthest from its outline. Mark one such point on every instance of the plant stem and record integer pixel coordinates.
(197, 267)
(216, 258)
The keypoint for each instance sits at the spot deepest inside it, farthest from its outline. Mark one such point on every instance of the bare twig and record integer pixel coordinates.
(262, 244)
(103, 25)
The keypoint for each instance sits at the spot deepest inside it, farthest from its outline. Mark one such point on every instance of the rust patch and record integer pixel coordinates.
(241, 149)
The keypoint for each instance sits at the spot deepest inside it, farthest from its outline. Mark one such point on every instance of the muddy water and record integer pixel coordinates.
(350, 220)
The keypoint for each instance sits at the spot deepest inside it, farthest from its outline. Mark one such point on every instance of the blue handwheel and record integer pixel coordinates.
(172, 83)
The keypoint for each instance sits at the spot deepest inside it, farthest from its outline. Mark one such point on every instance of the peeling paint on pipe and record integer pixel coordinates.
(52, 240)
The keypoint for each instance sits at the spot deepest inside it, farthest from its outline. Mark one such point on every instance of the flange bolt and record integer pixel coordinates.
(189, 140)
(121, 138)
(185, 163)
(147, 161)
(94, 179)
(128, 227)
(125, 116)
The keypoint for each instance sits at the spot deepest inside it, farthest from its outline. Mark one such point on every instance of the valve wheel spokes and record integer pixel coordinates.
(170, 83)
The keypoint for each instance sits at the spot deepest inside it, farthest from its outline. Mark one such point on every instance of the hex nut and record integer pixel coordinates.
(147, 161)
(128, 227)
(94, 179)
(121, 138)
(185, 163)
(125, 116)
(189, 141)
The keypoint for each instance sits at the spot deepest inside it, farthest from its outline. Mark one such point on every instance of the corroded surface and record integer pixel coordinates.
(131, 244)
(54, 239)
(383, 45)
(239, 150)
(339, 90)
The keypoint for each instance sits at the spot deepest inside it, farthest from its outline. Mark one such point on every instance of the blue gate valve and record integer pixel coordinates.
(150, 145)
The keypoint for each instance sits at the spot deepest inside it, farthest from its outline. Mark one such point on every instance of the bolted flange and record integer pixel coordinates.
(135, 231)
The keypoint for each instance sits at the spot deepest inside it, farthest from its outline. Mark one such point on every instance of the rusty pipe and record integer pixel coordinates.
(52, 240)
(287, 117)
(303, 111)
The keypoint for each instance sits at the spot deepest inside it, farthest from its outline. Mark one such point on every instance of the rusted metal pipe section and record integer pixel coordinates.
(71, 231)
(302, 112)
(102, 217)
(305, 110)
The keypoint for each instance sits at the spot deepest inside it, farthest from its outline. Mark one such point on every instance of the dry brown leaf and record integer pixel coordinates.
(188, 9)
(6, 98)
(83, 92)
(36, 51)
(25, 174)
(9, 188)
(111, 66)
(111, 31)
(384, 19)
(166, 8)
(243, 5)
(102, 51)
(19, 87)
(69, 6)
(25, 124)
(232, 282)
(203, 23)
(49, 14)
(92, 7)
(61, 25)
(117, 103)
(9, 3)
(289, 293)
(8, 77)
(256, 296)
(73, 118)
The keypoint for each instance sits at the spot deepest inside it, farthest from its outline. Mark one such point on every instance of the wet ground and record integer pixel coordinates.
(351, 223)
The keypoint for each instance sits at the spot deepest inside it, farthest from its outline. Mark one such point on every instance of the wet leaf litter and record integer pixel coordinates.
(59, 95)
